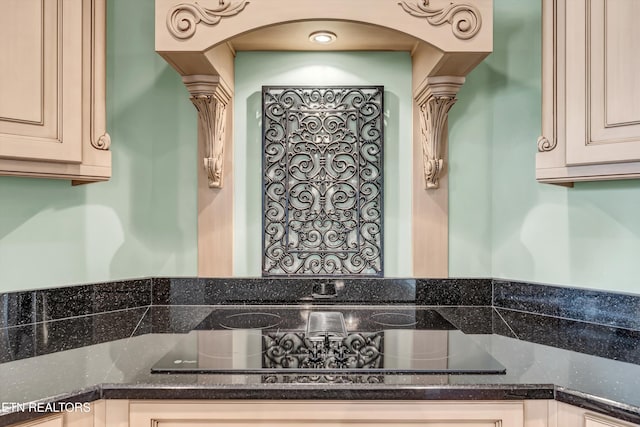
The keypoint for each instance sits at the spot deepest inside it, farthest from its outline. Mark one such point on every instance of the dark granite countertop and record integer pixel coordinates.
(85, 357)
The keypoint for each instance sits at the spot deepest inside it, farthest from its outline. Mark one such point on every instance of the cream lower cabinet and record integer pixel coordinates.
(572, 416)
(326, 414)
(67, 419)
(243, 413)
(52, 90)
(590, 91)
(47, 421)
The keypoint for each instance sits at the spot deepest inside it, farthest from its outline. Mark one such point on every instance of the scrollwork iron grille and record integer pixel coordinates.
(323, 379)
(322, 181)
(358, 350)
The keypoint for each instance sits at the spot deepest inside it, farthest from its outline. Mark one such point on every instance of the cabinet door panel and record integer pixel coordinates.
(621, 63)
(40, 71)
(603, 88)
(55, 421)
(279, 423)
(22, 61)
(573, 416)
(327, 414)
(592, 421)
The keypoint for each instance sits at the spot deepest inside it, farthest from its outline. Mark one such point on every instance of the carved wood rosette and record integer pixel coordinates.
(102, 143)
(434, 100)
(544, 144)
(211, 96)
(183, 18)
(465, 19)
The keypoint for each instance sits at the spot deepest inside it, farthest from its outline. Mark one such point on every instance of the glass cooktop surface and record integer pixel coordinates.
(326, 342)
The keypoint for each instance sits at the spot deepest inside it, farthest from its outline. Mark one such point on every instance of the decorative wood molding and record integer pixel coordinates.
(545, 145)
(435, 100)
(183, 18)
(211, 96)
(102, 143)
(100, 139)
(465, 19)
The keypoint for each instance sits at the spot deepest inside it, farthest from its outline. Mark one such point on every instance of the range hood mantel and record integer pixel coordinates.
(446, 38)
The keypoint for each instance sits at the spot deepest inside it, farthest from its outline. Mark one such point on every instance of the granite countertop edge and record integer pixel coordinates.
(587, 401)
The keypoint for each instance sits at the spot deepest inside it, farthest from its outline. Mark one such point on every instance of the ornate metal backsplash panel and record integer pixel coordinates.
(322, 181)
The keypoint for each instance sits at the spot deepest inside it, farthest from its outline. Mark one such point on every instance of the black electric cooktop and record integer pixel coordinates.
(309, 342)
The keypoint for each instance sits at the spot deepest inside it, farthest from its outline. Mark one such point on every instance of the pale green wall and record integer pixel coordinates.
(588, 236)
(142, 222)
(139, 223)
(255, 69)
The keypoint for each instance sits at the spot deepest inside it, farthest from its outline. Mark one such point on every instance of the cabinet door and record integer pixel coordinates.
(596, 421)
(590, 91)
(602, 81)
(51, 421)
(201, 423)
(40, 80)
(52, 90)
(572, 416)
(327, 414)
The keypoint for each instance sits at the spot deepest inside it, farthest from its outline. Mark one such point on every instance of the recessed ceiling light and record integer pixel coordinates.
(322, 37)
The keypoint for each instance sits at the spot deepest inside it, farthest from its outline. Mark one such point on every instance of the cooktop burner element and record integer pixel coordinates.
(307, 344)
(255, 320)
(394, 319)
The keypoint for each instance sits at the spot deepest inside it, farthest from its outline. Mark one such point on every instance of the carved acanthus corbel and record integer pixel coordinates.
(434, 100)
(211, 96)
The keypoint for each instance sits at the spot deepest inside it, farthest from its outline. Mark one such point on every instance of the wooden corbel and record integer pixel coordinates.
(211, 96)
(434, 99)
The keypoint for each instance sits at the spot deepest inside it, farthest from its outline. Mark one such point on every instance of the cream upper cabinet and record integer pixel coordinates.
(52, 86)
(590, 91)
